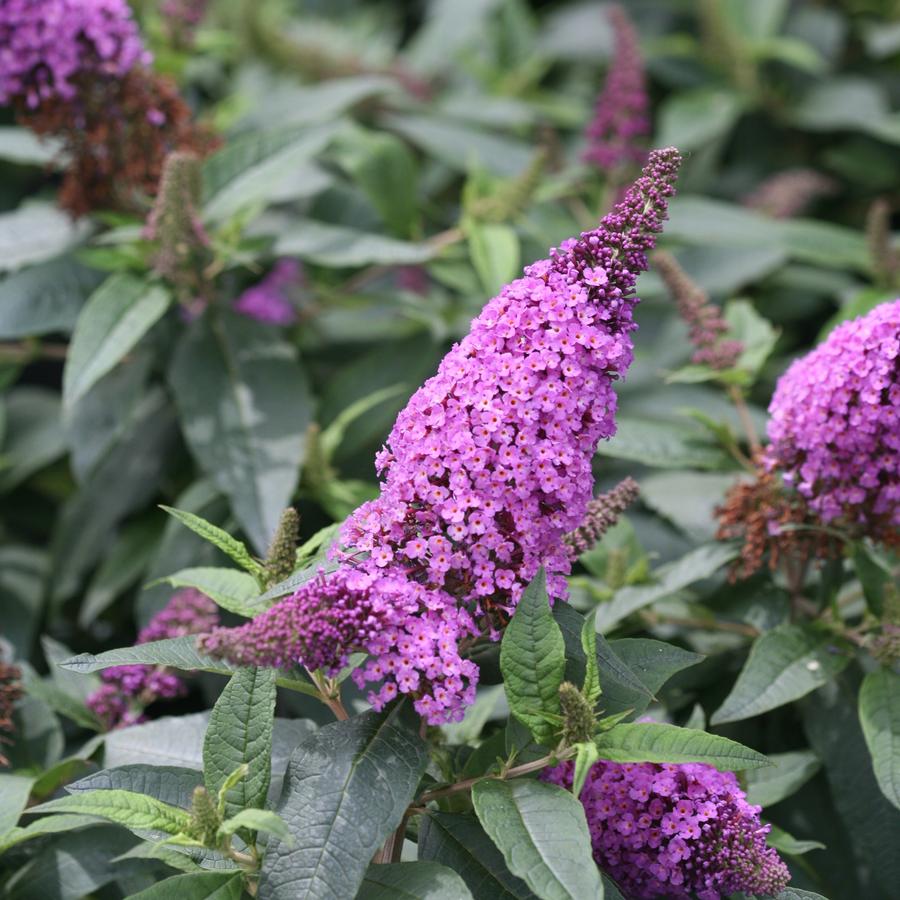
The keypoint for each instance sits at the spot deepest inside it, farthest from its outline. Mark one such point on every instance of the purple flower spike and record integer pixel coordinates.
(45, 45)
(484, 472)
(835, 425)
(675, 831)
(621, 117)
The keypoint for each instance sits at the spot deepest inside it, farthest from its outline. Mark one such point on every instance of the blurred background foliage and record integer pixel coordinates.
(412, 157)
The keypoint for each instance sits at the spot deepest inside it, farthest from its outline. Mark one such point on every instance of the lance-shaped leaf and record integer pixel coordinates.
(879, 715)
(653, 742)
(345, 791)
(195, 886)
(218, 537)
(412, 881)
(459, 841)
(533, 661)
(787, 774)
(232, 590)
(785, 664)
(245, 406)
(542, 833)
(45, 825)
(240, 733)
(116, 316)
(134, 811)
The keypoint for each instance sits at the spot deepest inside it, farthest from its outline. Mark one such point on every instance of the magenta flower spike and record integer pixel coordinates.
(485, 471)
(621, 115)
(46, 45)
(835, 425)
(666, 830)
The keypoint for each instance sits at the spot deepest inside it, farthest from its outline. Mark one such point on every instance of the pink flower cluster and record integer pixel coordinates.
(621, 118)
(45, 45)
(127, 690)
(675, 831)
(835, 424)
(489, 465)
(268, 301)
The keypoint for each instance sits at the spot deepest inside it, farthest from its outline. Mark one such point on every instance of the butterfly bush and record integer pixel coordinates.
(621, 118)
(484, 472)
(127, 690)
(268, 301)
(835, 425)
(666, 830)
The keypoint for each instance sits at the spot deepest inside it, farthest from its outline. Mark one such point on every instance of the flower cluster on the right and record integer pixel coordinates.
(666, 830)
(835, 425)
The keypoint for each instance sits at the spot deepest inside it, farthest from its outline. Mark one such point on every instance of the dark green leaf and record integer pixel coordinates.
(874, 574)
(36, 232)
(169, 784)
(240, 733)
(787, 774)
(879, 715)
(116, 316)
(542, 833)
(195, 886)
(245, 407)
(533, 660)
(784, 665)
(664, 445)
(653, 742)
(785, 842)
(14, 793)
(412, 881)
(370, 764)
(459, 842)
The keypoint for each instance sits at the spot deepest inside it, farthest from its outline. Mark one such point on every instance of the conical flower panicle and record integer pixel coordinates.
(665, 830)
(835, 425)
(489, 464)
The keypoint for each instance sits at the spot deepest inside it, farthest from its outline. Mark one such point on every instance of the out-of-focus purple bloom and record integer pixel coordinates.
(621, 117)
(46, 45)
(675, 831)
(787, 194)
(835, 425)
(484, 472)
(127, 690)
(268, 301)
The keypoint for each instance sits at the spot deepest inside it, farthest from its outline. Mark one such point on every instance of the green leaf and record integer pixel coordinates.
(252, 170)
(533, 660)
(45, 298)
(753, 331)
(240, 733)
(134, 811)
(585, 757)
(233, 548)
(412, 881)
(230, 589)
(792, 893)
(177, 653)
(34, 434)
(340, 247)
(14, 793)
(245, 406)
(785, 842)
(692, 119)
(369, 763)
(460, 843)
(874, 574)
(664, 445)
(653, 742)
(25, 148)
(542, 833)
(879, 715)
(116, 316)
(384, 167)
(259, 820)
(46, 825)
(784, 665)
(36, 232)
(494, 249)
(195, 886)
(787, 774)
(591, 688)
(169, 784)
(700, 563)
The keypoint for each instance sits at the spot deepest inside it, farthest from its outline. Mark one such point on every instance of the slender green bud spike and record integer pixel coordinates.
(283, 550)
(515, 195)
(579, 721)
(205, 819)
